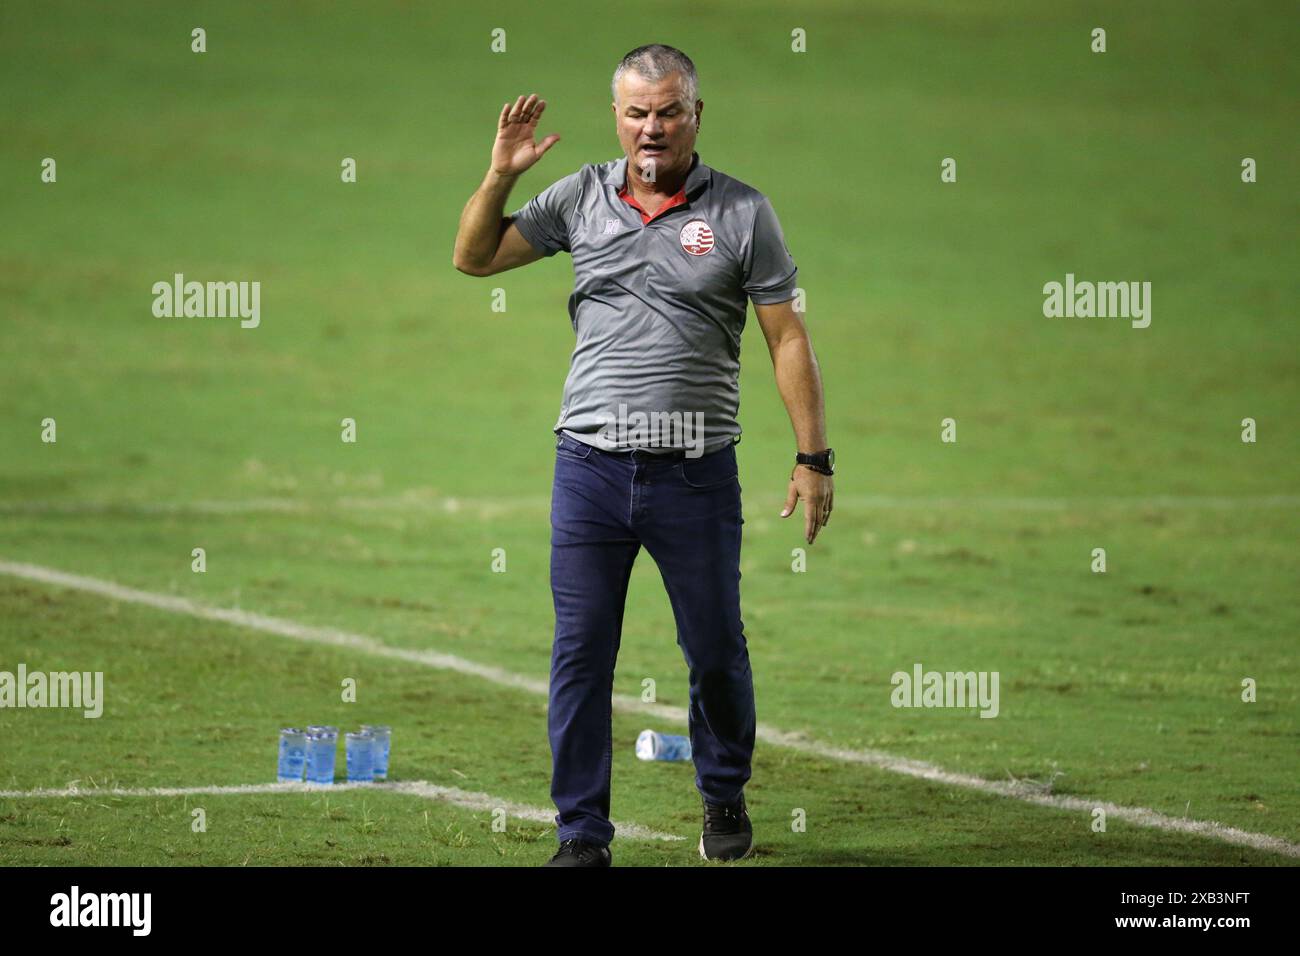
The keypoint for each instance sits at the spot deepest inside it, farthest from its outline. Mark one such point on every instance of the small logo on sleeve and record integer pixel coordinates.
(696, 237)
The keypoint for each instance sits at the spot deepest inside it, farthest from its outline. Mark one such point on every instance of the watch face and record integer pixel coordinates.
(830, 458)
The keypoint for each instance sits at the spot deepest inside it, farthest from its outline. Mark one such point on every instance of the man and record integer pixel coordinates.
(666, 251)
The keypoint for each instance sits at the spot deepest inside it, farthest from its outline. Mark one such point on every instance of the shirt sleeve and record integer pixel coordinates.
(544, 220)
(770, 273)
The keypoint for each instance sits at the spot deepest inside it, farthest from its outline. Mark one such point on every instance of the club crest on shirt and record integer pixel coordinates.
(696, 237)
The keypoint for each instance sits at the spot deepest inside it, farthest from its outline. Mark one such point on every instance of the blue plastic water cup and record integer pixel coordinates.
(293, 755)
(651, 745)
(360, 757)
(383, 735)
(321, 749)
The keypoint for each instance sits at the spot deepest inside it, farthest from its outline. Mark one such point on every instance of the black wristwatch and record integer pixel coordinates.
(823, 461)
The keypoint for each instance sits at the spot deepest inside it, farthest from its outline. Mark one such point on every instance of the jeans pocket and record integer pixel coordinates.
(567, 447)
(710, 471)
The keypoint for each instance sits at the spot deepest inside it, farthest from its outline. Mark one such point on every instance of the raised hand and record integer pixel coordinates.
(514, 150)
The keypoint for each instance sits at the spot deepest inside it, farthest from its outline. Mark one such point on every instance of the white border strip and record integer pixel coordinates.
(418, 788)
(1139, 816)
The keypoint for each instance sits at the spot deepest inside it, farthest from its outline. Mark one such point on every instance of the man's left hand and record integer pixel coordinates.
(818, 494)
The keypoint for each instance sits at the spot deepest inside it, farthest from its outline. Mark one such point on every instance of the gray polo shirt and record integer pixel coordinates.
(658, 307)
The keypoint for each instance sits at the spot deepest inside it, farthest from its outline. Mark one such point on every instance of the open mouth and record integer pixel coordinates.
(654, 150)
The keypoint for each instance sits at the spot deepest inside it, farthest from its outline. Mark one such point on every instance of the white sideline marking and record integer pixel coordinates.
(274, 625)
(1139, 816)
(488, 507)
(1031, 792)
(418, 788)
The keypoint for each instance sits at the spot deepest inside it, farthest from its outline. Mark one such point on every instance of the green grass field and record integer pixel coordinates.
(924, 302)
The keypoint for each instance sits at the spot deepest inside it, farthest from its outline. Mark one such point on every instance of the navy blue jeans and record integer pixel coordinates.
(686, 512)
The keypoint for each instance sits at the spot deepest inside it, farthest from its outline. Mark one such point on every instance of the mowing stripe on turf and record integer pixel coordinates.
(489, 507)
(417, 788)
(1017, 790)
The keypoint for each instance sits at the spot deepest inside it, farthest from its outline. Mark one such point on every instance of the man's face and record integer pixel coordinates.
(656, 124)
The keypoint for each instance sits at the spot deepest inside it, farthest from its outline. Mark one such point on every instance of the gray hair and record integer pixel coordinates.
(654, 62)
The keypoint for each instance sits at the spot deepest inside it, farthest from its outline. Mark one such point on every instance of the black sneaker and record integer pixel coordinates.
(727, 834)
(580, 853)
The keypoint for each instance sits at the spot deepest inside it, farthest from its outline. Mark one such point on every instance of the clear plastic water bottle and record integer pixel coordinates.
(293, 754)
(321, 749)
(360, 757)
(383, 735)
(651, 745)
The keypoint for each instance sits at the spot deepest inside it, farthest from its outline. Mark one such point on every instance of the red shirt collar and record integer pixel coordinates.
(628, 198)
